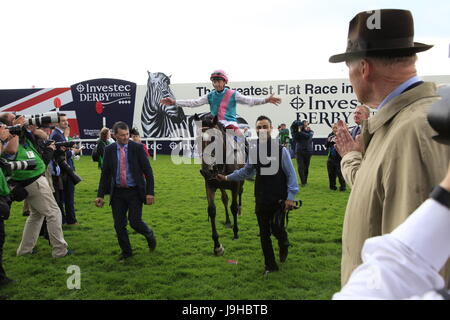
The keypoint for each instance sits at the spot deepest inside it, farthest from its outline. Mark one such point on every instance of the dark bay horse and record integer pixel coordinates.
(213, 131)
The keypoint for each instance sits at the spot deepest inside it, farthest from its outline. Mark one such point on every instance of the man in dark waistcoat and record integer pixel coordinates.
(275, 189)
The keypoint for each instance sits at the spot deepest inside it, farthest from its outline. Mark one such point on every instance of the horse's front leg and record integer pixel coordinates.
(218, 249)
(235, 210)
(225, 204)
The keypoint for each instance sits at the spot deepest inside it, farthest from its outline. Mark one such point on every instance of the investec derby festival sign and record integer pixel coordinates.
(102, 102)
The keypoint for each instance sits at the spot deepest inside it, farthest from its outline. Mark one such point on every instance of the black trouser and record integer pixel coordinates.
(59, 196)
(2, 242)
(265, 214)
(303, 160)
(334, 170)
(64, 196)
(129, 200)
(69, 203)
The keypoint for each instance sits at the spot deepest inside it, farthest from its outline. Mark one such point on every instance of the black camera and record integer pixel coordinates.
(48, 142)
(9, 166)
(15, 130)
(439, 116)
(60, 158)
(67, 144)
(296, 126)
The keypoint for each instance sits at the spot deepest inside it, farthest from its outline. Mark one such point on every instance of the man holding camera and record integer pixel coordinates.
(5, 203)
(302, 137)
(33, 186)
(334, 162)
(64, 186)
(275, 189)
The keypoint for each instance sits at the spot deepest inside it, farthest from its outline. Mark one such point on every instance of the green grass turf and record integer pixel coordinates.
(183, 265)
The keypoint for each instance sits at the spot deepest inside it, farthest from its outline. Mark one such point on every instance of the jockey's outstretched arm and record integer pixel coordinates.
(190, 103)
(251, 101)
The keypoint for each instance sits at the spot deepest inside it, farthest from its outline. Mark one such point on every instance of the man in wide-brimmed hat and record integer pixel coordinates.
(393, 164)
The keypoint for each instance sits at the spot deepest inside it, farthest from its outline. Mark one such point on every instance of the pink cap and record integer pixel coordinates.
(219, 74)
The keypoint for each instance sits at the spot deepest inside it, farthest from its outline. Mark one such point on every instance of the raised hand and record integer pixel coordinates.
(275, 100)
(167, 101)
(344, 141)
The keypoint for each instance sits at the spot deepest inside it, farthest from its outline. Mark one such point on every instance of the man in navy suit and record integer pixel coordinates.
(64, 187)
(361, 113)
(128, 176)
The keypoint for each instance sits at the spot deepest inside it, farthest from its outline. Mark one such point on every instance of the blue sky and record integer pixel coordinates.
(51, 43)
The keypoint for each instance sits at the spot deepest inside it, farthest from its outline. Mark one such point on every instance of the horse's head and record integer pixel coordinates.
(211, 132)
(208, 121)
(159, 82)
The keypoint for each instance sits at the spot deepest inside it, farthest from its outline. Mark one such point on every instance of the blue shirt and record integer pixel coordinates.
(249, 171)
(130, 180)
(398, 91)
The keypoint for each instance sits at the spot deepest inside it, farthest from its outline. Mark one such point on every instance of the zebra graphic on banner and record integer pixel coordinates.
(160, 121)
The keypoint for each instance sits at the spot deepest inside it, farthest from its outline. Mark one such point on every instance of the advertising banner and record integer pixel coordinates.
(321, 102)
(92, 104)
(102, 102)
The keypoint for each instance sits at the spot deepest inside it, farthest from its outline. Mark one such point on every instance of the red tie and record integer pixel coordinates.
(123, 168)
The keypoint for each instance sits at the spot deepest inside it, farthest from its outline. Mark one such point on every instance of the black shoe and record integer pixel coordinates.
(123, 257)
(342, 189)
(6, 281)
(284, 250)
(152, 244)
(333, 188)
(303, 184)
(26, 213)
(270, 269)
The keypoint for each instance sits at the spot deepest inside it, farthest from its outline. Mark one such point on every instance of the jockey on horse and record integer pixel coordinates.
(222, 101)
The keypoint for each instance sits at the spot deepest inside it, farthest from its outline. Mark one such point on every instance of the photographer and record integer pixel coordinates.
(302, 138)
(5, 203)
(34, 187)
(64, 185)
(334, 162)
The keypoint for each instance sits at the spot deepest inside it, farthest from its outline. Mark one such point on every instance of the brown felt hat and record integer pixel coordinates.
(385, 33)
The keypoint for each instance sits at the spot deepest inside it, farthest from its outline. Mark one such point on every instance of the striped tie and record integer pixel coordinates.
(356, 132)
(123, 167)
